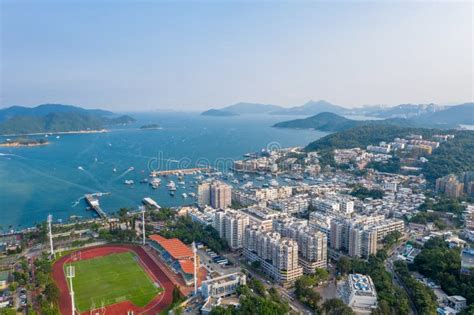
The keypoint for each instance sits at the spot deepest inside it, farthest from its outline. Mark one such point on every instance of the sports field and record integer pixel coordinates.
(111, 279)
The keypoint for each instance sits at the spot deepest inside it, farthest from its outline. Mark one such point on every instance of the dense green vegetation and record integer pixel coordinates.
(332, 122)
(454, 156)
(392, 300)
(304, 288)
(423, 298)
(361, 192)
(391, 166)
(363, 136)
(442, 264)
(336, 307)
(188, 231)
(254, 299)
(56, 118)
(443, 204)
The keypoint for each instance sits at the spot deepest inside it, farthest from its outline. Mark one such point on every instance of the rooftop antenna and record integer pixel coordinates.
(50, 233)
(195, 268)
(71, 273)
(143, 224)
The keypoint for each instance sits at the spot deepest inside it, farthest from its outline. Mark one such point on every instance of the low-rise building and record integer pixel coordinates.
(222, 286)
(358, 292)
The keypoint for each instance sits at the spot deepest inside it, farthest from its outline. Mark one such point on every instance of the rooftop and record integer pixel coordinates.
(176, 248)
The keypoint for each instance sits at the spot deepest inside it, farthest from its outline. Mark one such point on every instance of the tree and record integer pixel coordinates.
(344, 265)
(176, 294)
(336, 307)
(51, 292)
(321, 275)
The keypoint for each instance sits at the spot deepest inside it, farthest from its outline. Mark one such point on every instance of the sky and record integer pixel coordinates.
(151, 55)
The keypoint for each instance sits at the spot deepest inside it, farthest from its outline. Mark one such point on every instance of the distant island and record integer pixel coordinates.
(450, 117)
(24, 143)
(331, 122)
(57, 118)
(421, 113)
(218, 113)
(150, 127)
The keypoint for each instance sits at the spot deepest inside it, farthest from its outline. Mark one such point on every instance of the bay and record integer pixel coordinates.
(52, 179)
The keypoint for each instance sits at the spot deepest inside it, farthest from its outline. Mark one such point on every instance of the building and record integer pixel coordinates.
(456, 302)
(277, 256)
(4, 276)
(467, 261)
(358, 292)
(177, 256)
(216, 194)
(220, 195)
(312, 246)
(235, 224)
(358, 236)
(450, 186)
(261, 216)
(204, 194)
(222, 286)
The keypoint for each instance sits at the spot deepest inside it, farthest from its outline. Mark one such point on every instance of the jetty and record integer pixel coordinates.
(93, 202)
(183, 171)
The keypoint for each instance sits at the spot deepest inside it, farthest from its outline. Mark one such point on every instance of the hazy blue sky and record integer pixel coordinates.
(192, 55)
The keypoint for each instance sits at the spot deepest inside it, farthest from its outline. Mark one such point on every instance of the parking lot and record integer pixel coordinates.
(212, 266)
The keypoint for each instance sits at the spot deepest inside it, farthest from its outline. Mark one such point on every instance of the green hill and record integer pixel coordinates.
(56, 118)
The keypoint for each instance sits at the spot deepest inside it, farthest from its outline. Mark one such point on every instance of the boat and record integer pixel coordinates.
(171, 185)
(273, 183)
(129, 182)
(57, 137)
(80, 168)
(131, 168)
(171, 193)
(235, 181)
(144, 181)
(260, 178)
(114, 170)
(181, 183)
(246, 176)
(192, 195)
(184, 195)
(155, 182)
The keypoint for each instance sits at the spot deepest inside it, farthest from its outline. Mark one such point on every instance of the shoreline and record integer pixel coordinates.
(18, 144)
(55, 133)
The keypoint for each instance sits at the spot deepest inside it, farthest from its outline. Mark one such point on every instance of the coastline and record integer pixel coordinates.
(18, 144)
(55, 133)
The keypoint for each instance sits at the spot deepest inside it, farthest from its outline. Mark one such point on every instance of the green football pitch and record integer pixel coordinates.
(111, 279)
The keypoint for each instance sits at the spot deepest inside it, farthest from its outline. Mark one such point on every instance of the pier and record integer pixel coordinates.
(93, 202)
(184, 171)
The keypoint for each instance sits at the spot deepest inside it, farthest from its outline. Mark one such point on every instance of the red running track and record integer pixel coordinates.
(159, 303)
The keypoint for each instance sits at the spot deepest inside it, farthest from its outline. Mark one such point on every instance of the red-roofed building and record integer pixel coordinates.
(178, 256)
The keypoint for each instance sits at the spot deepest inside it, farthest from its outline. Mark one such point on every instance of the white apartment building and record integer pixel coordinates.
(278, 256)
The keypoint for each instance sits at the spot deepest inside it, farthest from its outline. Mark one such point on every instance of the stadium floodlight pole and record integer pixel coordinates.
(50, 233)
(71, 273)
(143, 224)
(195, 268)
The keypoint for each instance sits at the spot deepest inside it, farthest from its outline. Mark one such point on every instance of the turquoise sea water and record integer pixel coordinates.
(36, 181)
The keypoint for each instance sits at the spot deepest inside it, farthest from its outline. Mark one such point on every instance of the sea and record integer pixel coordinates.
(53, 179)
